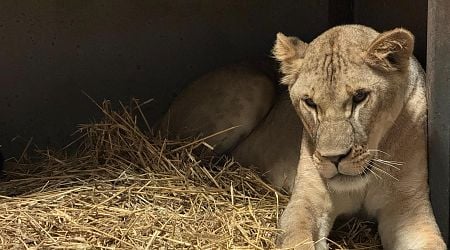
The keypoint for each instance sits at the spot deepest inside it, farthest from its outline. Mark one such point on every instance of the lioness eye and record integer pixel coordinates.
(310, 102)
(359, 96)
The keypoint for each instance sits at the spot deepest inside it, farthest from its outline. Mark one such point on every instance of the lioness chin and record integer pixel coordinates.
(361, 97)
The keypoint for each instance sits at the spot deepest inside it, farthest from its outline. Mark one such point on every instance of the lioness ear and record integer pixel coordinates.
(391, 50)
(288, 51)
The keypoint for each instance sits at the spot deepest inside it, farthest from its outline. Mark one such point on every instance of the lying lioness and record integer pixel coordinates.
(239, 105)
(360, 96)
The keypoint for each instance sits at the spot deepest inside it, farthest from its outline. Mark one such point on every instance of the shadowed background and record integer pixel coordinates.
(51, 51)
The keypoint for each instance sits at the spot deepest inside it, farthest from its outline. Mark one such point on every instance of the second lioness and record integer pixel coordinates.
(265, 132)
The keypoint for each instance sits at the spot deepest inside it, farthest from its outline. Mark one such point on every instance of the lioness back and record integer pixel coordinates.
(269, 131)
(236, 96)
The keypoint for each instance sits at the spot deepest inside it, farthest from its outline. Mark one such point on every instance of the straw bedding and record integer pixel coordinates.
(120, 186)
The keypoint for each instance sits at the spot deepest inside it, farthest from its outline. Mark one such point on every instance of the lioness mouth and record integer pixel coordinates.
(344, 177)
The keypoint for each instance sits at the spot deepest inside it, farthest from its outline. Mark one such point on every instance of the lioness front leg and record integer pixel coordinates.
(307, 219)
(408, 223)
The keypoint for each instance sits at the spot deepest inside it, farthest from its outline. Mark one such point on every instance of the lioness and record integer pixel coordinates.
(265, 130)
(234, 98)
(361, 97)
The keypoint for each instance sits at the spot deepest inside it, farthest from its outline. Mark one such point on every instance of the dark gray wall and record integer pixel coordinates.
(438, 78)
(50, 51)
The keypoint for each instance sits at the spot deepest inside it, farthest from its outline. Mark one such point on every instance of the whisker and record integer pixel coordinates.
(399, 163)
(382, 171)
(375, 174)
(363, 172)
(380, 164)
(387, 164)
(377, 150)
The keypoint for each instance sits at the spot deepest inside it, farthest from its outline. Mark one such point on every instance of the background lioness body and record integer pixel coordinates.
(266, 130)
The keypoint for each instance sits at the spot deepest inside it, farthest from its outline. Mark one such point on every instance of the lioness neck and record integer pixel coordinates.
(410, 125)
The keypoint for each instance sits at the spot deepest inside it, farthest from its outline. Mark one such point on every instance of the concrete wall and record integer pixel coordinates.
(51, 51)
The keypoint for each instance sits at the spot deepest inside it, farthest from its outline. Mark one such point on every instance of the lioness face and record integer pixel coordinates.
(345, 100)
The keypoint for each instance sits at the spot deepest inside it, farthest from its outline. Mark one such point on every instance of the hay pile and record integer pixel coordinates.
(128, 189)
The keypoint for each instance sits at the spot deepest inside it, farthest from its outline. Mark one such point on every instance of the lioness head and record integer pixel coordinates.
(348, 86)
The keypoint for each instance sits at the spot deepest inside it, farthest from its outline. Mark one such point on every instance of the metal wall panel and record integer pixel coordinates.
(438, 77)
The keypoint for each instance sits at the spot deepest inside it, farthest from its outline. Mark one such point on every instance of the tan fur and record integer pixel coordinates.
(268, 131)
(340, 171)
(237, 96)
(389, 124)
(274, 146)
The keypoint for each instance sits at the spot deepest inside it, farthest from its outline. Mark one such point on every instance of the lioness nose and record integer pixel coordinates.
(335, 159)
